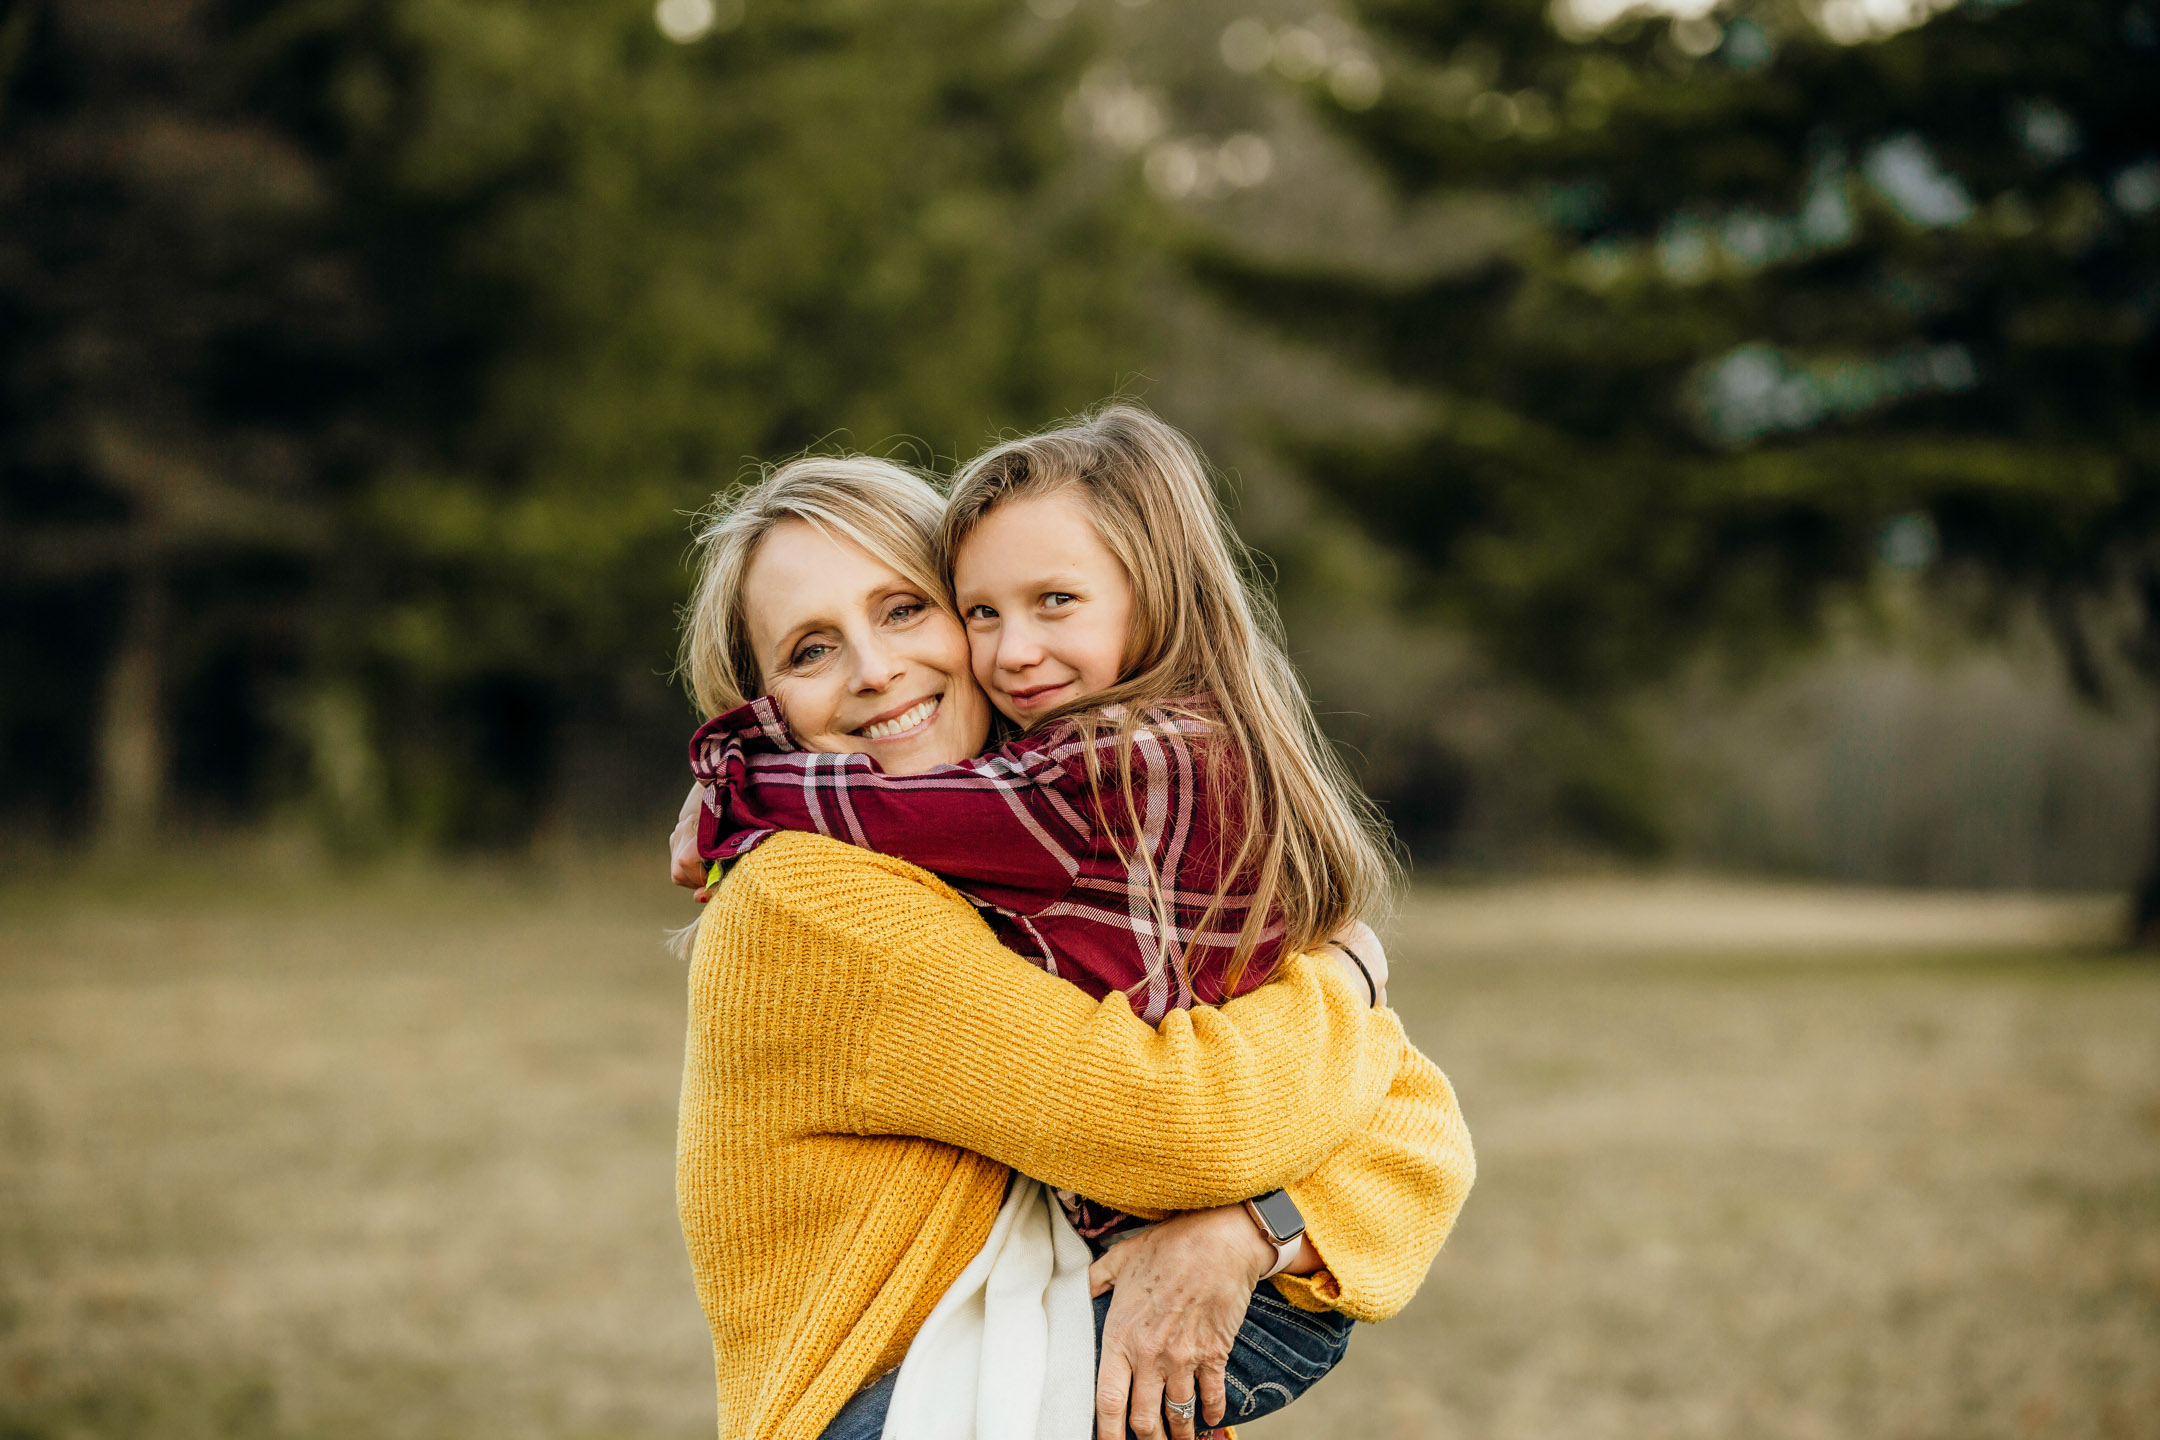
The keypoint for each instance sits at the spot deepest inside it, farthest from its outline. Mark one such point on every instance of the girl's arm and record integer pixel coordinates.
(686, 867)
(1001, 826)
(893, 999)
(1362, 956)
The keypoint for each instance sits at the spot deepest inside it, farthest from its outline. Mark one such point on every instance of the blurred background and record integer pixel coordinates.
(1707, 455)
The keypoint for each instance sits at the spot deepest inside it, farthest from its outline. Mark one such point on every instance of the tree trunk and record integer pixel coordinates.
(131, 730)
(2145, 902)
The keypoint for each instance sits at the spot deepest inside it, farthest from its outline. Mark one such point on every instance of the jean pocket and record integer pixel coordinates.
(1281, 1350)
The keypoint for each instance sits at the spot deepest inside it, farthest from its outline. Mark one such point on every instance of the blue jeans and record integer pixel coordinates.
(1280, 1351)
(863, 1418)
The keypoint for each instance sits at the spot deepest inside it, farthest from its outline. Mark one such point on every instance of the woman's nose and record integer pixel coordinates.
(876, 666)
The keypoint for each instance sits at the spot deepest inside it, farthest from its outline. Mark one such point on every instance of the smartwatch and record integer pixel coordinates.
(1281, 1223)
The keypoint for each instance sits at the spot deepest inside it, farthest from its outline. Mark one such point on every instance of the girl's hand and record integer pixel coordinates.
(1179, 1292)
(1359, 937)
(685, 866)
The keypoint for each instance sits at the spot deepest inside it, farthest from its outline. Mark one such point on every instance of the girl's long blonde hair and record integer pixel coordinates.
(889, 510)
(1308, 841)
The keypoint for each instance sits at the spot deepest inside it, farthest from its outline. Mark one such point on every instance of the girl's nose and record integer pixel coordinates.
(1018, 648)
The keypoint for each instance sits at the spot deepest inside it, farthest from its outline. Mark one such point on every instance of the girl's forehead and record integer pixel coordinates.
(1032, 536)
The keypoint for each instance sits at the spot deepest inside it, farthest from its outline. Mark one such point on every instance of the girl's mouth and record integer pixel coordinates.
(1039, 695)
(913, 717)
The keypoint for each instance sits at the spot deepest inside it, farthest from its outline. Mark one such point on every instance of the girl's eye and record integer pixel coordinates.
(980, 612)
(1057, 600)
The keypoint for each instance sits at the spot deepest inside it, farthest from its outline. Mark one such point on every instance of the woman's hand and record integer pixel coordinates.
(1179, 1292)
(686, 867)
(1359, 936)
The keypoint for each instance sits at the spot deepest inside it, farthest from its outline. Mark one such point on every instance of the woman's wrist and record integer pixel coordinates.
(1305, 1260)
(1262, 1252)
(1243, 1241)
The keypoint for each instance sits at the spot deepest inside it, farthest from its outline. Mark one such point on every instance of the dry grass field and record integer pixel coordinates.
(392, 1158)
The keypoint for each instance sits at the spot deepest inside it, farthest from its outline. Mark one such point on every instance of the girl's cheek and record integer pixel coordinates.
(1104, 663)
(982, 661)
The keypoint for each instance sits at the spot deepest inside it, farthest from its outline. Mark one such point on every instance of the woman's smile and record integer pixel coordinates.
(900, 720)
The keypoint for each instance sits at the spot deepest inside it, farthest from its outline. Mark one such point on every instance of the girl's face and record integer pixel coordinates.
(1048, 607)
(859, 659)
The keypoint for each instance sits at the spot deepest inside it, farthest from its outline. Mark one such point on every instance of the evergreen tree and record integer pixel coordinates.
(181, 343)
(1792, 298)
(423, 324)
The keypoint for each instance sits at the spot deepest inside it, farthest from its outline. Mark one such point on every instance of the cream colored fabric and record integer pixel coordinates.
(1009, 1350)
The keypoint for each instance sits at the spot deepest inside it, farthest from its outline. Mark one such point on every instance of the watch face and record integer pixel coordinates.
(1281, 1213)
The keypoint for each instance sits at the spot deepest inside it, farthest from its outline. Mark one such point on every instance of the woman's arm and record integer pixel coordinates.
(1379, 1208)
(907, 1011)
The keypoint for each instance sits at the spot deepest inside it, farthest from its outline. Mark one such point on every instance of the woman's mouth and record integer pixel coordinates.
(915, 715)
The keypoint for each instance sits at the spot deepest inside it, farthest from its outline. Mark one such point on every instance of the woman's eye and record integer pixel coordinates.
(810, 655)
(906, 612)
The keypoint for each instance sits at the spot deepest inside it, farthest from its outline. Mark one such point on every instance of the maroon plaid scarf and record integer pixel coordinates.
(1023, 835)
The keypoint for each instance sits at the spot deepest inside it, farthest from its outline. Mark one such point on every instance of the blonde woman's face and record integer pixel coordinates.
(858, 658)
(1048, 607)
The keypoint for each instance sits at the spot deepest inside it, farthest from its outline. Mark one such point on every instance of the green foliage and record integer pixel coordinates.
(1778, 310)
(567, 279)
(839, 221)
(1765, 298)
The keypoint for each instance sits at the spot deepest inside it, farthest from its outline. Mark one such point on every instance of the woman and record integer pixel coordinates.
(864, 1060)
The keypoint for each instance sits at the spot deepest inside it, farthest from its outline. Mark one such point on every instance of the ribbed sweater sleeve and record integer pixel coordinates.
(928, 1027)
(1380, 1207)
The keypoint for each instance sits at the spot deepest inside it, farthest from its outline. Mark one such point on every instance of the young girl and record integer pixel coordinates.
(1166, 821)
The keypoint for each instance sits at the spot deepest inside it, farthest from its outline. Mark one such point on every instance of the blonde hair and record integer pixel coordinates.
(889, 510)
(1309, 841)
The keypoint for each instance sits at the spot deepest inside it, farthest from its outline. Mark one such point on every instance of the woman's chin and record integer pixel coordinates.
(912, 757)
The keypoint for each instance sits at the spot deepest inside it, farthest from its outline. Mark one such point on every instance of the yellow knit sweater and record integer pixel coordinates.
(865, 1060)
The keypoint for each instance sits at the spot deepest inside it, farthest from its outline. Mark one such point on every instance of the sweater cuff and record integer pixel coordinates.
(1317, 1291)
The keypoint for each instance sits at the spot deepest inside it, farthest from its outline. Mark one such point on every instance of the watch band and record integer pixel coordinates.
(1286, 1246)
(1285, 1252)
